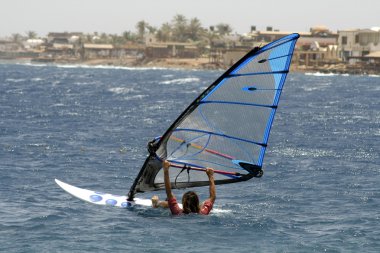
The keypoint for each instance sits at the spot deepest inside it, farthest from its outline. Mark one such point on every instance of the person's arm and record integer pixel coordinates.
(168, 187)
(207, 205)
(163, 204)
(210, 174)
(155, 200)
(172, 202)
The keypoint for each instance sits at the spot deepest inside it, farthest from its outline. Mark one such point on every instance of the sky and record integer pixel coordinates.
(117, 16)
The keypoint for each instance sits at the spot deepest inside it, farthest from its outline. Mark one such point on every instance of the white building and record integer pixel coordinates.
(33, 43)
(357, 43)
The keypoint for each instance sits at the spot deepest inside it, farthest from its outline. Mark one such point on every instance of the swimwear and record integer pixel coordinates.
(176, 210)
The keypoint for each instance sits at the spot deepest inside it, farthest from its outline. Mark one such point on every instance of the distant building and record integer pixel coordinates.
(96, 51)
(8, 46)
(357, 43)
(14, 50)
(108, 51)
(233, 55)
(373, 61)
(33, 44)
(171, 49)
(321, 34)
(318, 46)
(63, 38)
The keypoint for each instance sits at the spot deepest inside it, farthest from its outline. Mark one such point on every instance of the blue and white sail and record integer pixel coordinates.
(227, 127)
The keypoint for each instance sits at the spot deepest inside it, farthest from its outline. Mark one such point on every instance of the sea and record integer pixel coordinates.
(89, 126)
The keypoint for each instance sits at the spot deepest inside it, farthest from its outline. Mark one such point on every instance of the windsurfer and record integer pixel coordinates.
(190, 200)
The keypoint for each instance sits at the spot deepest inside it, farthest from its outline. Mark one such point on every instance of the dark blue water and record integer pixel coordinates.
(89, 127)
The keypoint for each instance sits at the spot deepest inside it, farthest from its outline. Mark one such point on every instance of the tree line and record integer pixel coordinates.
(179, 29)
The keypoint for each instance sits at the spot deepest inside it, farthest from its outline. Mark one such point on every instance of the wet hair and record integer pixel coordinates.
(190, 202)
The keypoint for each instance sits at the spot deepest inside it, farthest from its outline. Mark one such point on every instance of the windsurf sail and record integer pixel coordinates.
(226, 128)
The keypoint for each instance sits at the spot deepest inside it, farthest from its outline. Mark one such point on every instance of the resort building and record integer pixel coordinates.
(314, 48)
(359, 44)
(170, 49)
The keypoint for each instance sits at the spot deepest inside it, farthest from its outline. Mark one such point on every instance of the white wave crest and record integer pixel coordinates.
(122, 90)
(13, 80)
(181, 80)
(83, 66)
(320, 74)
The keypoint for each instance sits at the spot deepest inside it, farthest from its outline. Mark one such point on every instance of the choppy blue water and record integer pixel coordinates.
(89, 127)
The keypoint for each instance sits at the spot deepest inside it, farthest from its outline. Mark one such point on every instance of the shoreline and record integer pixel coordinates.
(178, 63)
(183, 63)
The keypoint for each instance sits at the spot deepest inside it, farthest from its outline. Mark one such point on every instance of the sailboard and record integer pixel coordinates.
(101, 198)
(226, 127)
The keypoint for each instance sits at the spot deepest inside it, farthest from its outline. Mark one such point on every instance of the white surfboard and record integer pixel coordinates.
(107, 199)
(100, 198)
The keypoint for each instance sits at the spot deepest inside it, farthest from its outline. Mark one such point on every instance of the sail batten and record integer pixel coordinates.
(260, 73)
(237, 103)
(227, 127)
(219, 134)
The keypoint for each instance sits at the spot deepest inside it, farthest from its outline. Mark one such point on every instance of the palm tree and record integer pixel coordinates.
(164, 33)
(17, 38)
(117, 40)
(141, 26)
(151, 29)
(223, 29)
(31, 34)
(128, 36)
(179, 28)
(195, 30)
